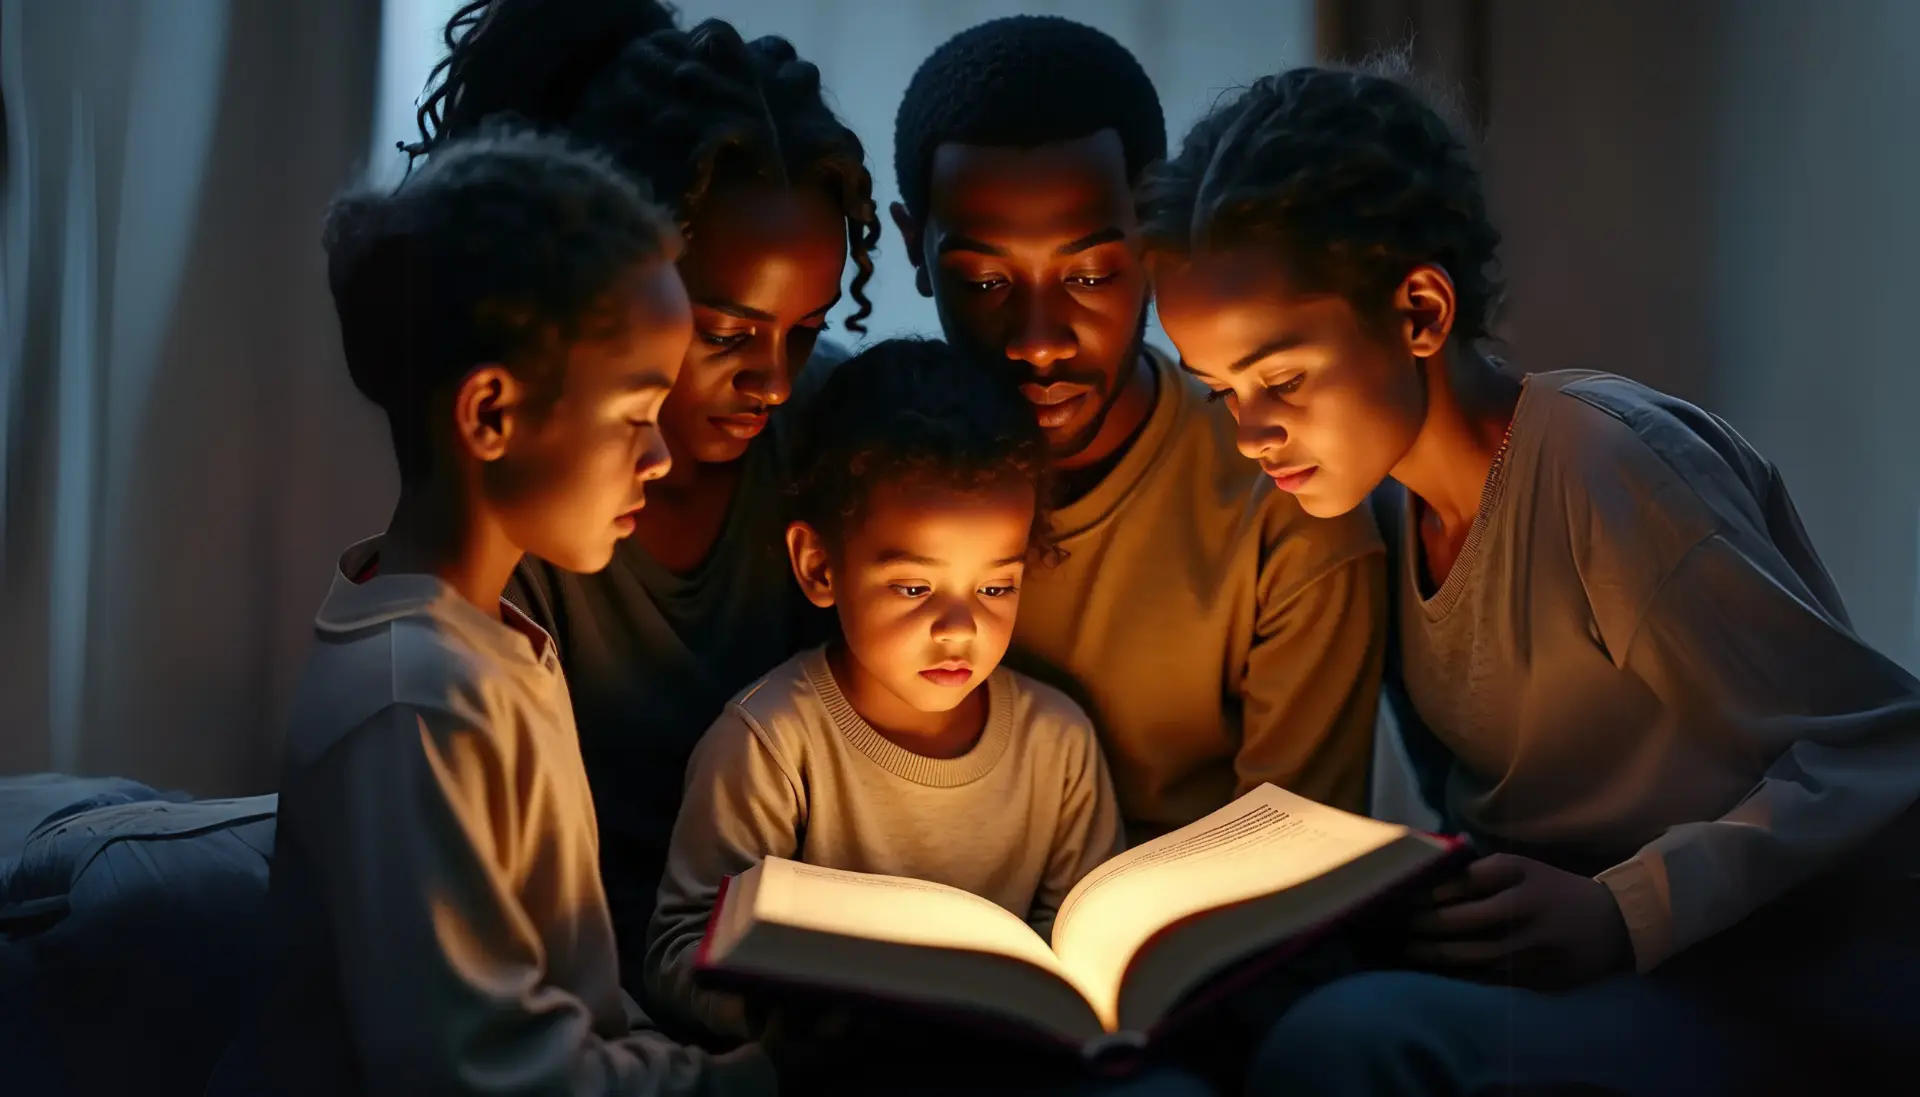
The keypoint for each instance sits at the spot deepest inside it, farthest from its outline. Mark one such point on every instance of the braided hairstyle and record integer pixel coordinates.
(689, 112)
(910, 409)
(507, 58)
(507, 247)
(1355, 176)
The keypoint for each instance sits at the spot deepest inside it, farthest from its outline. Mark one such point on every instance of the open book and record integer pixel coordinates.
(1132, 940)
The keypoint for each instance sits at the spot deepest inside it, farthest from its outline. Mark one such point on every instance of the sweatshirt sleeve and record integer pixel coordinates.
(412, 824)
(1312, 685)
(1753, 668)
(742, 805)
(1090, 830)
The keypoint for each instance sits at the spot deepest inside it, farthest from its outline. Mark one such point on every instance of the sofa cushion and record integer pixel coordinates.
(29, 800)
(129, 934)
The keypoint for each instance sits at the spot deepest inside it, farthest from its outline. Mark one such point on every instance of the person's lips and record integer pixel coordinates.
(1292, 477)
(744, 425)
(1055, 405)
(953, 672)
(629, 519)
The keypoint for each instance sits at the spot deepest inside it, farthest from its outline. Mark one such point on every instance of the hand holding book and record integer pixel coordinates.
(1539, 925)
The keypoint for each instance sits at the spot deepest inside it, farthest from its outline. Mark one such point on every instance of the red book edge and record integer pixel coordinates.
(702, 956)
(1238, 977)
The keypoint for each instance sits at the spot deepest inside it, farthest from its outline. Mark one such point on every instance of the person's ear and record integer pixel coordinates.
(912, 233)
(807, 552)
(485, 406)
(1428, 307)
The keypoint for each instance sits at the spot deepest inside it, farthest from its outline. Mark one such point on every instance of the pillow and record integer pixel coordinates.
(29, 800)
(129, 935)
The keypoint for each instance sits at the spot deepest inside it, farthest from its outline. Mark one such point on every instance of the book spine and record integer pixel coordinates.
(898, 1011)
(1115, 1055)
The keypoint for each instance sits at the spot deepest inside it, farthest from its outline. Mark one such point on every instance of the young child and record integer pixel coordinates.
(903, 748)
(439, 924)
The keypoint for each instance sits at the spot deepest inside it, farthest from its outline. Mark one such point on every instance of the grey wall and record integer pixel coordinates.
(1817, 233)
(1716, 198)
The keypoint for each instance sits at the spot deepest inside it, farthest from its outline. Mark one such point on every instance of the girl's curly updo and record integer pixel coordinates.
(1353, 175)
(689, 112)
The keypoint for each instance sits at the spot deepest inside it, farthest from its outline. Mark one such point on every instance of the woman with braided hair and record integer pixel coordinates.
(773, 195)
(1616, 657)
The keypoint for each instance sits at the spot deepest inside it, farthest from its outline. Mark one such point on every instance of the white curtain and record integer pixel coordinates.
(180, 450)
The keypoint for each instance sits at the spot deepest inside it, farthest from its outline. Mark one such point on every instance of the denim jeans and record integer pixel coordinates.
(1779, 1004)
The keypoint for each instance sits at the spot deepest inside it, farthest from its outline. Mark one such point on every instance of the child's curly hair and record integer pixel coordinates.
(508, 247)
(915, 410)
(1355, 177)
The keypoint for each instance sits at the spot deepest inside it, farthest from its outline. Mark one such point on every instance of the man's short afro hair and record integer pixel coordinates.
(1020, 82)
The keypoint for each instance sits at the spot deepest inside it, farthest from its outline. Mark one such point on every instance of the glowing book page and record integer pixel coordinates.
(1264, 842)
(891, 908)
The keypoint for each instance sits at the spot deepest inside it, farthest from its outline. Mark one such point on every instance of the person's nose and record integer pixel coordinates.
(953, 621)
(1040, 336)
(766, 378)
(655, 460)
(1257, 431)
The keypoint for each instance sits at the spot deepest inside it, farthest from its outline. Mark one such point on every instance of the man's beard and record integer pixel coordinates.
(1108, 389)
(1017, 373)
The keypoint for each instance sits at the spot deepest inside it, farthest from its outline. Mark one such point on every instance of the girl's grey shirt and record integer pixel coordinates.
(1638, 668)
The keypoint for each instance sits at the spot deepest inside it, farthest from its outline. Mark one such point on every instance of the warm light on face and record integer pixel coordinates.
(1034, 258)
(762, 268)
(926, 586)
(576, 471)
(1322, 401)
